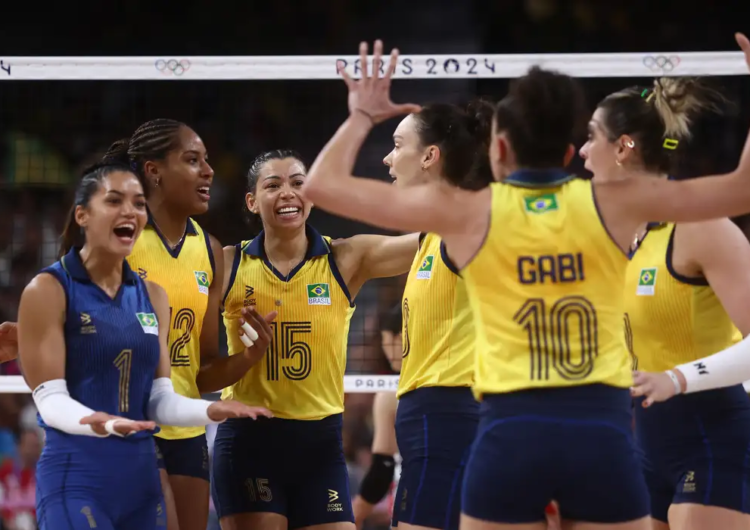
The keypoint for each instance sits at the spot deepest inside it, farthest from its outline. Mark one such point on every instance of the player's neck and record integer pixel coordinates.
(284, 247)
(104, 269)
(171, 224)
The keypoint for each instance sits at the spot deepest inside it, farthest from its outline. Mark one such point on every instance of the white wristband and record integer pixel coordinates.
(109, 426)
(676, 381)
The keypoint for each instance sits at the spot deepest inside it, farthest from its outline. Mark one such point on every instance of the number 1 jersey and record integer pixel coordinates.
(301, 376)
(546, 289)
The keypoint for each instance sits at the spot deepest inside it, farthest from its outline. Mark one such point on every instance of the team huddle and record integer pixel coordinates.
(531, 297)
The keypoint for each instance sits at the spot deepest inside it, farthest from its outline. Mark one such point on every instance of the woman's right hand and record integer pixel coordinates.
(8, 341)
(121, 426)
(371, 95)
(262, 326)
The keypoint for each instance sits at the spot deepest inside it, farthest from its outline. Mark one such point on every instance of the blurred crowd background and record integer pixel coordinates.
(50, 129)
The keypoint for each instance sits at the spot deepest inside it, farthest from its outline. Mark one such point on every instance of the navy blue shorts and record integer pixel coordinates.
(187, 457)
(291, 467)
(79, 488)
(435, 427)
(574, 445)
(696, 449)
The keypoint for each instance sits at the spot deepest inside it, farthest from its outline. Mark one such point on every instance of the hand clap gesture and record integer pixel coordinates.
(371, 95)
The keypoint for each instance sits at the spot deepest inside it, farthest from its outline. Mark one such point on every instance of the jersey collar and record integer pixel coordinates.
(72, 263)
(189, 231)
(189, 226)
(538, 178)
(317, 246)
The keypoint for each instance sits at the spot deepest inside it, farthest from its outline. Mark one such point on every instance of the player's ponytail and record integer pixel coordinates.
(479, 115)
(658, 118)
(72, 234)
(462, 136)
(117, 153)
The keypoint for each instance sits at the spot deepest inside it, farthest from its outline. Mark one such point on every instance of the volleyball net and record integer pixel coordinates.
(59, 114)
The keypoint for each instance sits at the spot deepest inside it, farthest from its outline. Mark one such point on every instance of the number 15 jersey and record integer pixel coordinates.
(301, 376)
(546, 289)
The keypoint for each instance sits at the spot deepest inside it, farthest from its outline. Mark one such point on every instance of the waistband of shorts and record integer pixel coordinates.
(594, 401)
(445, 399)
(332, 422)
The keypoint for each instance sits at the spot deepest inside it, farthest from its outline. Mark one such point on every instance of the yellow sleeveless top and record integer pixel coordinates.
(302, 374)
(438, 330)
(185, 273)
(670, 319)
(545, 289)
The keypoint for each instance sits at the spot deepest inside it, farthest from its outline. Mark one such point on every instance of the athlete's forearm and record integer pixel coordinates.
(729, 367)
(335, 163)
(166, 407)
(60, 411)
(222, 372)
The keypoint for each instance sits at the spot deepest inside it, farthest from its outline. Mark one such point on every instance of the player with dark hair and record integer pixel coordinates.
(686, 289)
(174, 251)
(379, 479)
(93, 342)
(539, 256)
(440, 142)
(263, 476)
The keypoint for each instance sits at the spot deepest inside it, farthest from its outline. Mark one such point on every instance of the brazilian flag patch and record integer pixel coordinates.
(541, 203)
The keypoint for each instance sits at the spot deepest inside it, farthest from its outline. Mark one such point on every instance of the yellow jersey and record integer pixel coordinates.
(438, 330)
(546, 289)
(301, 376)
(670, 319)
(186, 273)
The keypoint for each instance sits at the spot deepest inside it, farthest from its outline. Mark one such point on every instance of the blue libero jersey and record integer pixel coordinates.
(112, 346)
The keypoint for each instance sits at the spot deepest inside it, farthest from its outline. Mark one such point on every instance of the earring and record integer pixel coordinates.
(157, 180)
(631, 144)
(618, 163)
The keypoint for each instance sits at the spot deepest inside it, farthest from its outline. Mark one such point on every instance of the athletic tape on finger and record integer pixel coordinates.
(246, 341)
(249, 331)
(109, 426)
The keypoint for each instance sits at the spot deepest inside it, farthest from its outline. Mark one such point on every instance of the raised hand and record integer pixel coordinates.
(261, 326)
(222, 410)
(121, 426)
(371, 95)
(8, 341)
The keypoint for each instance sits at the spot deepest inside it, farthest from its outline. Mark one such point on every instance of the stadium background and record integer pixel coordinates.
(50, 129)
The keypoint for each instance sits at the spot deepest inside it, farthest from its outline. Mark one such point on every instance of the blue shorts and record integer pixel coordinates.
(187, 457)
(294, 468)
(113, 487)
(574, 445)
(696, 449)
(435, 427)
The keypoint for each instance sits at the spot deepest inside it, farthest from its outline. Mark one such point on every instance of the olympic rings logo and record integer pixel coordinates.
(172, 66)
(661, 62)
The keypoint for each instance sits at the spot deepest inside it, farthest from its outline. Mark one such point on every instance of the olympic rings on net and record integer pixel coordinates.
(661, 62)
(172, 66)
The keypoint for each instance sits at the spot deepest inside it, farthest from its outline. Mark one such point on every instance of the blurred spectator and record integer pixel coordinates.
(18, 483)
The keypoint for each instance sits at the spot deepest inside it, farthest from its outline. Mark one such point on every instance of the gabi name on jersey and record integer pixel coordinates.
(558, 268)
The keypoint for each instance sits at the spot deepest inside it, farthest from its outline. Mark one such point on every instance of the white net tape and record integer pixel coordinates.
(409, 66)
(313, 67)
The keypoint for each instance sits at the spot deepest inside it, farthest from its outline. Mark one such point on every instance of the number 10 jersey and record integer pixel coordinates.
(546, 289)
